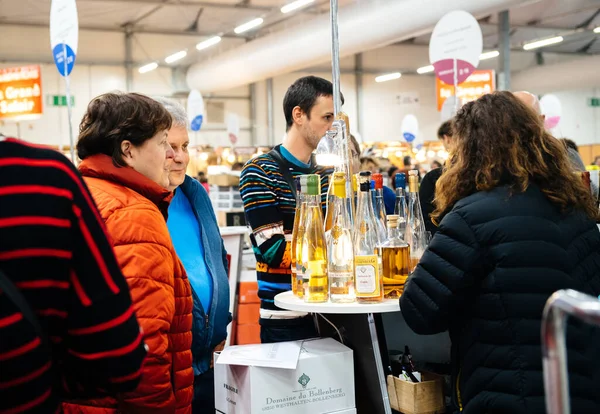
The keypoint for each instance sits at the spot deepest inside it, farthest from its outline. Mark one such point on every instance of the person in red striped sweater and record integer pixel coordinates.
(67, 326)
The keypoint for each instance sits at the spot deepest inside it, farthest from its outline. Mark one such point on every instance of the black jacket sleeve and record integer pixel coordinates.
(438, 287)
(426, 195)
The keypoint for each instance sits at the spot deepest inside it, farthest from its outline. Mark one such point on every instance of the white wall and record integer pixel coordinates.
(382, 114)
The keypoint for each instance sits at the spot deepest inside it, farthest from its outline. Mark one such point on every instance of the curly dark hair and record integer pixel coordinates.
(115, 117)
(501, 141)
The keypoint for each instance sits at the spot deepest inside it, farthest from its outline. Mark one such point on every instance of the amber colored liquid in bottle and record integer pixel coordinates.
(396, 263)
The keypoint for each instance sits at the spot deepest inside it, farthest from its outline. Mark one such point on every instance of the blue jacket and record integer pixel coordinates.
(208, 330)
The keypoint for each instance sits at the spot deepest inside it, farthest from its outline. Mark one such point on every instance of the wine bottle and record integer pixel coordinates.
(379, 204)
(381, 231)
(400, 208)
(294, 241)
(415, 234)
(301, 222)
(340, 264)
(367, 261)
(314, 250)
(395, 255)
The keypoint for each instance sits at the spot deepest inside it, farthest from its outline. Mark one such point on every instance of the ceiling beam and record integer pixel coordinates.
(116, 29)
(188, 3)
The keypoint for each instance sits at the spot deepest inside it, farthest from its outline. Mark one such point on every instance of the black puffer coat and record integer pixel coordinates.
(485, 277)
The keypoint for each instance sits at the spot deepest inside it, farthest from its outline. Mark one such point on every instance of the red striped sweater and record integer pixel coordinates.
(54, 249)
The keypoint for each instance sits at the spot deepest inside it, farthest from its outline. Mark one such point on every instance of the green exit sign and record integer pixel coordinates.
(59, 100)
(594, 102)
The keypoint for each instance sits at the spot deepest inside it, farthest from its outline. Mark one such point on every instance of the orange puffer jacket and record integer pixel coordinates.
(134, 209)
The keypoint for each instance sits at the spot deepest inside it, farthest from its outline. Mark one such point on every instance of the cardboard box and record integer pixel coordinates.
(248, 313)
(316, 379)
(247, 334)
(248, 292)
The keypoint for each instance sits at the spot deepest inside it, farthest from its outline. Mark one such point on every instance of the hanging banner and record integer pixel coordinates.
(64, 34)
(478, 84)
(233, 127)
(410, 128)
(456, 40)
(195, 110)
(21, 93)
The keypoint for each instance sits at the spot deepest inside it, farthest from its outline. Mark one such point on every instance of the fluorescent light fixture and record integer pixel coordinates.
(489, 55)
(176, 56)
(542, 43)
(208, 42)
(597, 29)
(148, 67)
(295, 5)
(425, 69)
(247, 26)
(388, 77)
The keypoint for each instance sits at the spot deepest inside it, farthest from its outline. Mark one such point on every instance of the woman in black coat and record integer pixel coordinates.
(516, 225)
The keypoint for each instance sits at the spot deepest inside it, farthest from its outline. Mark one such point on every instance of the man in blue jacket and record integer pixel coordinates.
(193, 227)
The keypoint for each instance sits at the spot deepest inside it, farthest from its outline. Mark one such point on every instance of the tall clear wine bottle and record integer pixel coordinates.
(340, 265)
(415, 234)
(314, 249)
(367, 260)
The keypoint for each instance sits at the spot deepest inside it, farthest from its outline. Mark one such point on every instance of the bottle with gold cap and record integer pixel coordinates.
(340, 255)
(395, 255)
(367, 260)
(314, 250)
(415, 234)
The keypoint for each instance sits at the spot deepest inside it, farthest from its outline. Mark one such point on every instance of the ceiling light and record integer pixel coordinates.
(176, 56)
(247, 26)
(489, 55)
(543, 42)
(208, 43)
(389, 76)
(148, 67)
(597, 29)
(295, 5)
(425, 69)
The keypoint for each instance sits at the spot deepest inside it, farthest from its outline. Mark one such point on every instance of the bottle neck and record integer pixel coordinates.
(392, 232)
(399, 192)
(313, 200)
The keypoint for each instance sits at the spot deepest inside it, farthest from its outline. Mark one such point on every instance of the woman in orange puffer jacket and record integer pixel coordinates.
(126, 162)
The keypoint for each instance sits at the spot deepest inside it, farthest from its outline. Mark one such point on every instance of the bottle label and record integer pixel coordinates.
(339, 275)
(367, 276)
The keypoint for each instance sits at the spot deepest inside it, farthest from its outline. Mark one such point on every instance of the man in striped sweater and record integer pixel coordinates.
(269, 203)
(67, 326)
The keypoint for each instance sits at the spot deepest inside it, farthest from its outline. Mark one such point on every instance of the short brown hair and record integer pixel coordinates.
(115, 117)
(502, 141)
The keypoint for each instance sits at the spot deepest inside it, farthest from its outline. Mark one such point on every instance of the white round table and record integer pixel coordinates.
(364, 351)
(287, 300)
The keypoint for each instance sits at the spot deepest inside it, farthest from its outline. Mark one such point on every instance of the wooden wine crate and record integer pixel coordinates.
(425, 397)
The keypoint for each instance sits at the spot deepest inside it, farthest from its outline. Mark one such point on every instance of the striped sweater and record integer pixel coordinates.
(270, 207)
(54, 249)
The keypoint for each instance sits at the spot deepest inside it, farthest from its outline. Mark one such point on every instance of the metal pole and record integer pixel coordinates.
(270, 113)
(69, 109)
(252, 114)
(335, 57)
(128, 58)
(358, 67)
(504, 49)
(554, 351)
